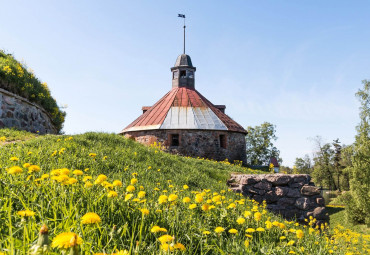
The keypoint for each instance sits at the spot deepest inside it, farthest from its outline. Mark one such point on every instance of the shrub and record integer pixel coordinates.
(15, 78)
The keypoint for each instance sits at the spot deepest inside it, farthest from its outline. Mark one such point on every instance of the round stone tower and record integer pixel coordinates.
(186, 123)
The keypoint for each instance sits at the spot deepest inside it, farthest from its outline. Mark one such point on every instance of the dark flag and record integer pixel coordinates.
(181, 16)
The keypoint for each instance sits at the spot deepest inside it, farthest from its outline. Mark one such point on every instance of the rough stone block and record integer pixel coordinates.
(320, 201)
(320, 213)
(293, 193)
(281, 191)
(302, 203)
(310, 190)
(263, 185)
(285, 201)
(278, 179)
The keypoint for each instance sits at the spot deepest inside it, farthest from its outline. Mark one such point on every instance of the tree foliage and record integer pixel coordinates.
(359, 209)
(260, 147)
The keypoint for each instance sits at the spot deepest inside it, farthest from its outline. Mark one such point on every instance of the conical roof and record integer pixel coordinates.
(184, 108)
(183, 60)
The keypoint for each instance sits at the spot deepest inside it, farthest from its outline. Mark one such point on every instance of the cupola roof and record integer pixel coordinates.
(183, 60)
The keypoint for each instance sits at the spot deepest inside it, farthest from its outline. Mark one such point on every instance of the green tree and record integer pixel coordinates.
(260, 147)
(303, 165)
(359, 207)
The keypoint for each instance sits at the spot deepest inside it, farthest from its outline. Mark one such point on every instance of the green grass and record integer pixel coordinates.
(338, 217)
(60, 203)
(11, 135)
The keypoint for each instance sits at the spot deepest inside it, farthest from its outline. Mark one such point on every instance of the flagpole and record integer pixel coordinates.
(184, 35)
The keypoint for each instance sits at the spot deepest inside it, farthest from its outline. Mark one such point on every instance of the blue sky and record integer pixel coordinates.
(296, 64)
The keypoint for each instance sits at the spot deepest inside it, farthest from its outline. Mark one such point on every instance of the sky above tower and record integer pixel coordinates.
(296, 64)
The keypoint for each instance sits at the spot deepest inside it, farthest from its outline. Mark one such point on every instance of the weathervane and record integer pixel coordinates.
(183, 16)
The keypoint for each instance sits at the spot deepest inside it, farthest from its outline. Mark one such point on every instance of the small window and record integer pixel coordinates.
(223, 141)
(175, 75)
(175, 140)
(183, 74)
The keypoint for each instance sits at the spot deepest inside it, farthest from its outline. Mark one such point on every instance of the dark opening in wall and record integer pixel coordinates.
(223, 141)
(174, 139)
(183, 74)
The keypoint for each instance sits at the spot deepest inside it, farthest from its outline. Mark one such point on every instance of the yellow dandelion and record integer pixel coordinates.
(260, 229)
(219, 229)
(233, 231)
(185, 186)
(14, 170)
(165, 239)
(88, 184)
(162, 199)
(141, 194)
(66, 240)
(250, 230)
(14, 159)
(166, 247)
(117, 183)
(192, 206)
(128, 197)
(26, 213)
(26, 165)
(78, 172)
(246, 243)
(179, 246)
(186, 200)
(130, 188)
(299, 234)
(90, 218)
(144, 211)
(133, 181)
(206, 232)
(172, 197)
(257, 216)
(112, 194)
(240, 220)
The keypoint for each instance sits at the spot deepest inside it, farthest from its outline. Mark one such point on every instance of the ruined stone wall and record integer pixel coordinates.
(292, 196)
(197, 143)
(18, 112)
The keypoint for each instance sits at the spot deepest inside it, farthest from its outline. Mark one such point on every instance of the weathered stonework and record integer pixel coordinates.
(18, 112)
(197, 143)
(292, 196)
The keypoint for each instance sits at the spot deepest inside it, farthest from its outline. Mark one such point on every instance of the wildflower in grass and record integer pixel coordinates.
(101, 178)
(257, 216)
(192, 206)
(72, 181)
(166, 247)
(240, 220)
(291, 252)
(14, 159)
(66, 240)
(233, 231)
(62, 178)
(205, 207)
(90, 218)
(198, 198)
(55, 172)
(26, 165)
(299, 234)
(128, 197)
(179, 246)
(260, 229)
(246, 243)
(130, 188)
(172, 197)
(282, 237)
(88, 184)
(93, 155)
(14, 170)
(44, 176)
(250, 230)
(219, 229)
(141, 194)
(155, 229)
(282, 225)
(206, 232)
(78, 172)
(231, 206)
(26, 213)
(162, 199)
(86, 178)
(311, 230)
(216, 198)
(112, 194)
(117, 183)
(133, 181)
(290, 243)
(185, 186)
(105, 157)
(165, 239)
(268, 224)
(122, 252)
(247, 214)
(64, 171)
(144, 211)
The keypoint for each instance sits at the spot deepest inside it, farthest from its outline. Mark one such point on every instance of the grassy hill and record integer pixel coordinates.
(103, 194)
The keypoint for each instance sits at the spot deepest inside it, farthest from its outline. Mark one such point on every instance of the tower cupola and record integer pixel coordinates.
(183, 72)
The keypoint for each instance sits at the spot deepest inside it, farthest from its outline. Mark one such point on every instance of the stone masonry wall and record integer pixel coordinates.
(292, 196)
(18, 112)
(197, 143)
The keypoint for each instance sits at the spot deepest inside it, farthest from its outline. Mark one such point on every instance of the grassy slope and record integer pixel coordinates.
(338, 217)
(125, 157)
(11, 135)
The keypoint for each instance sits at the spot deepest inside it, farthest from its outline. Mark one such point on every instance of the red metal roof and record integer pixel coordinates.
(181, 97)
